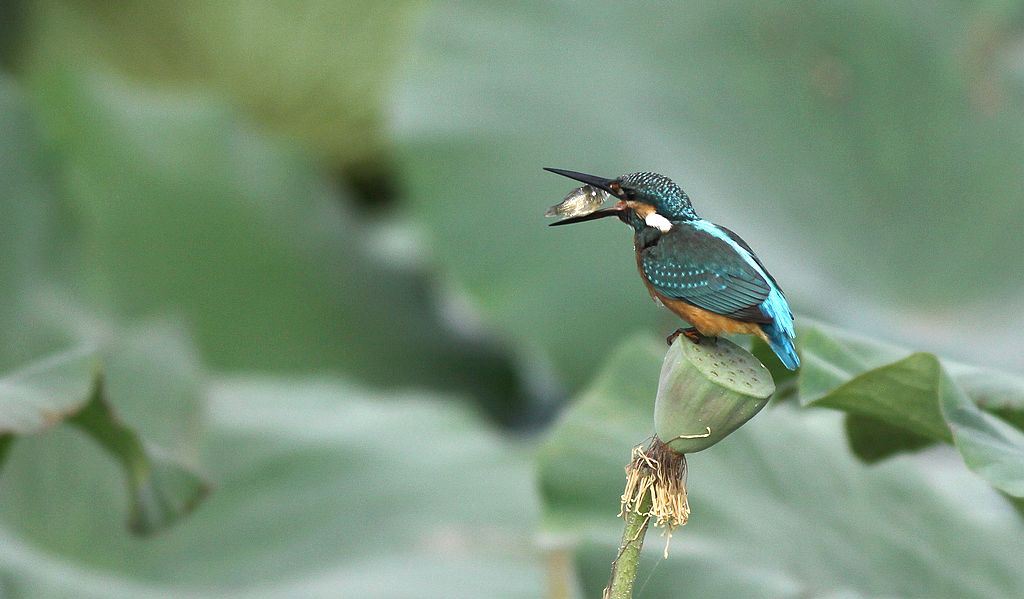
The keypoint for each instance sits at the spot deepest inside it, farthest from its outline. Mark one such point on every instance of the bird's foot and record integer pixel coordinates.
(691, 333)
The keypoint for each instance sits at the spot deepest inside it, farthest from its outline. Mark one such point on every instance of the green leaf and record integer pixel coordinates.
(996, 392)
(990, 447)
(322, 489)
(618, 404)
(48, 391)
(35, 244)
(184, 209)
(57, 351)
(904, 393)
(68, 388)
(153, 376)
(831, 357)
(916, 394)
(785, 379)
(162, 490)
(874, 440)
(779, 509)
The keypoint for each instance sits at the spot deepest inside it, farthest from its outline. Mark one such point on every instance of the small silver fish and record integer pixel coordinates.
(580, 202)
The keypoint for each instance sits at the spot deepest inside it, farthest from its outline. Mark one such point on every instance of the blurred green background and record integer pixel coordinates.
(304, 244)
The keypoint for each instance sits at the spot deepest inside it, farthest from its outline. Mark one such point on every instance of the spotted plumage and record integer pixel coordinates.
(701, 271)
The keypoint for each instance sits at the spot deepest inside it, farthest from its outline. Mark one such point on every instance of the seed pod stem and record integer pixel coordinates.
(705, 392)
(637, 517)
(655, 490)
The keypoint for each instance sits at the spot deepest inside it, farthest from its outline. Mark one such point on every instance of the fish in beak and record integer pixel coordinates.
(582, 203)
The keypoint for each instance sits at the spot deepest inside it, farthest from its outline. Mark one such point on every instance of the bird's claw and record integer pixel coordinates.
(691, 333)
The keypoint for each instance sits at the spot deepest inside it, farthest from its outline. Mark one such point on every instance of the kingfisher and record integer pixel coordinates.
(703, 272)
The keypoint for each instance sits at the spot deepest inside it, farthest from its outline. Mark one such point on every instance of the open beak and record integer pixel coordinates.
(609, 185)
(615, 210)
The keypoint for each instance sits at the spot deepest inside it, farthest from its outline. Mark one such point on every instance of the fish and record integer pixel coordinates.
(580, 202)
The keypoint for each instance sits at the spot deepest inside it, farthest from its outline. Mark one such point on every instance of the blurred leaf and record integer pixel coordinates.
(184, 210)
(153, 376)
(779, 510)
(12, 30)
(323, 490)
(903, 393)
(34, 243)
(48, 391)
(917, 394)
(996, 392)
(58, 352)
(990, 447)
(317, 71)
(783, 377)
(618, 404)
(831, 136)
(1017, 503)
(874, 440)
(67, 387)
(1014, 416)
(831, 357)
(545, 288)
(162, 490)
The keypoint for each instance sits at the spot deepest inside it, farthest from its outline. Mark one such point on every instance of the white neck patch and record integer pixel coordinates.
(658, 221)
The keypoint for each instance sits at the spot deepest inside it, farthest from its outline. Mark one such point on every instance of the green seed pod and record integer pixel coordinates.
(706, 391)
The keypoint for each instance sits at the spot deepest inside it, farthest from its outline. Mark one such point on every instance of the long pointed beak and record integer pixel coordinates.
(615, 210)
(609, 185)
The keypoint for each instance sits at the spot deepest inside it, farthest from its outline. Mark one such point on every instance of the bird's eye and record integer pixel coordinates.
(618, 189)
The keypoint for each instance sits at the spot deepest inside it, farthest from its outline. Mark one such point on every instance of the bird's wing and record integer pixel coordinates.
(739, 241)
(700, 269)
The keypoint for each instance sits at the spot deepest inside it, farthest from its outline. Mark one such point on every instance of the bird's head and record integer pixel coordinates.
(645, 199)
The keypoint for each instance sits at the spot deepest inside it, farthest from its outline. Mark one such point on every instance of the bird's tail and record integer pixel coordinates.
(781, 342)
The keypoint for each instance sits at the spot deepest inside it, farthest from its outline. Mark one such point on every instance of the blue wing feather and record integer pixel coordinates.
(779, 331)
(713, 268)
(702, 270)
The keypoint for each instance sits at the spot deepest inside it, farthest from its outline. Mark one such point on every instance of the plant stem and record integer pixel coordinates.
(624, 567)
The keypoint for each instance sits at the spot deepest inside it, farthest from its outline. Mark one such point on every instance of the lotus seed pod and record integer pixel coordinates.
(706, 391)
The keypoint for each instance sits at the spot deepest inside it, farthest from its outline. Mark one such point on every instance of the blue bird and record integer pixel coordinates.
(703, 272)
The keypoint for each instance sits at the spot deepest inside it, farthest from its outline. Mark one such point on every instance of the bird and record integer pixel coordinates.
(703, 272)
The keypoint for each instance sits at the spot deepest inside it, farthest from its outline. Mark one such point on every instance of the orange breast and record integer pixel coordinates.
(708, 323)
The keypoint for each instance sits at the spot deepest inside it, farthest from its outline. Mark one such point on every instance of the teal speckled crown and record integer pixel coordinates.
(661, 192)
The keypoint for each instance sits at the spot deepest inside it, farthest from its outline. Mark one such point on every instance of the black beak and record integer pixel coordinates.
(609, 185)
(615, 210)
